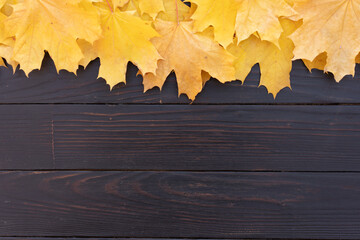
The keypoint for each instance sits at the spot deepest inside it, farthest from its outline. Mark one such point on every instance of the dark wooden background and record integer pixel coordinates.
(78, 161)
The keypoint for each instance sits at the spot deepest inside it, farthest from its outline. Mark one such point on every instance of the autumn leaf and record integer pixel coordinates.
(188, 54)
(175, 11)
(4, 49)
(125, 38)
(193, 57)
(244, 17)
(275, 63)
(330, 26)
(219, 14)
(319, 62)
(117, 3)
(150, 7)
(220, 39)
(88, 51)
(262, 17)
(54, 26)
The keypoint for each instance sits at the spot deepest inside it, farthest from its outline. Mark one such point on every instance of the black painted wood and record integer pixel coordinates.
(180, 137)
(82, 238)
(228, 170)
(46, 86)
(25, 137)
(86, 238)
(180, 204)
(107, 238)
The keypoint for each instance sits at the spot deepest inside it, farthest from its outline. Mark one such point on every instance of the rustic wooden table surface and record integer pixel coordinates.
(78, 161)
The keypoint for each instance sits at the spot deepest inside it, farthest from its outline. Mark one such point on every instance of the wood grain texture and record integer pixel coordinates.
(85, 238)
(113, 238)
(180, 204)
(107, 238)
(25, 137)
(46, 86)
(139, 169)
(181, 137)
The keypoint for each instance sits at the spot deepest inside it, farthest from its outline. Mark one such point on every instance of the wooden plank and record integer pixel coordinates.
(307, 88)
(25, 137)
(107, 238)
(46, 86)
(181, 137)
(286, 138)
(180, 204)
(86, 238)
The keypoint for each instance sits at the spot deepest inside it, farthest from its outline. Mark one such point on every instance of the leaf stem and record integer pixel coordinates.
(108, 3)
(177, 12)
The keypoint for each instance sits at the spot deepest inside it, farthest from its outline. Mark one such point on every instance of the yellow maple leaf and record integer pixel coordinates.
(118, 3)
(219, 14)
(275, 63)
(3, 48)
(330, 26)
(320, 62)
(6, 51)
(151, 7)
(125, 38)
(175, 11)
(54, 26)
(88, 51)
(188, 54)
(6, 43)
(244, 17)
(262, 17)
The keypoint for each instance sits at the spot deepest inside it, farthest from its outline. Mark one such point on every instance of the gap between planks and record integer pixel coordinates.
(187, 104)
(168, 170)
